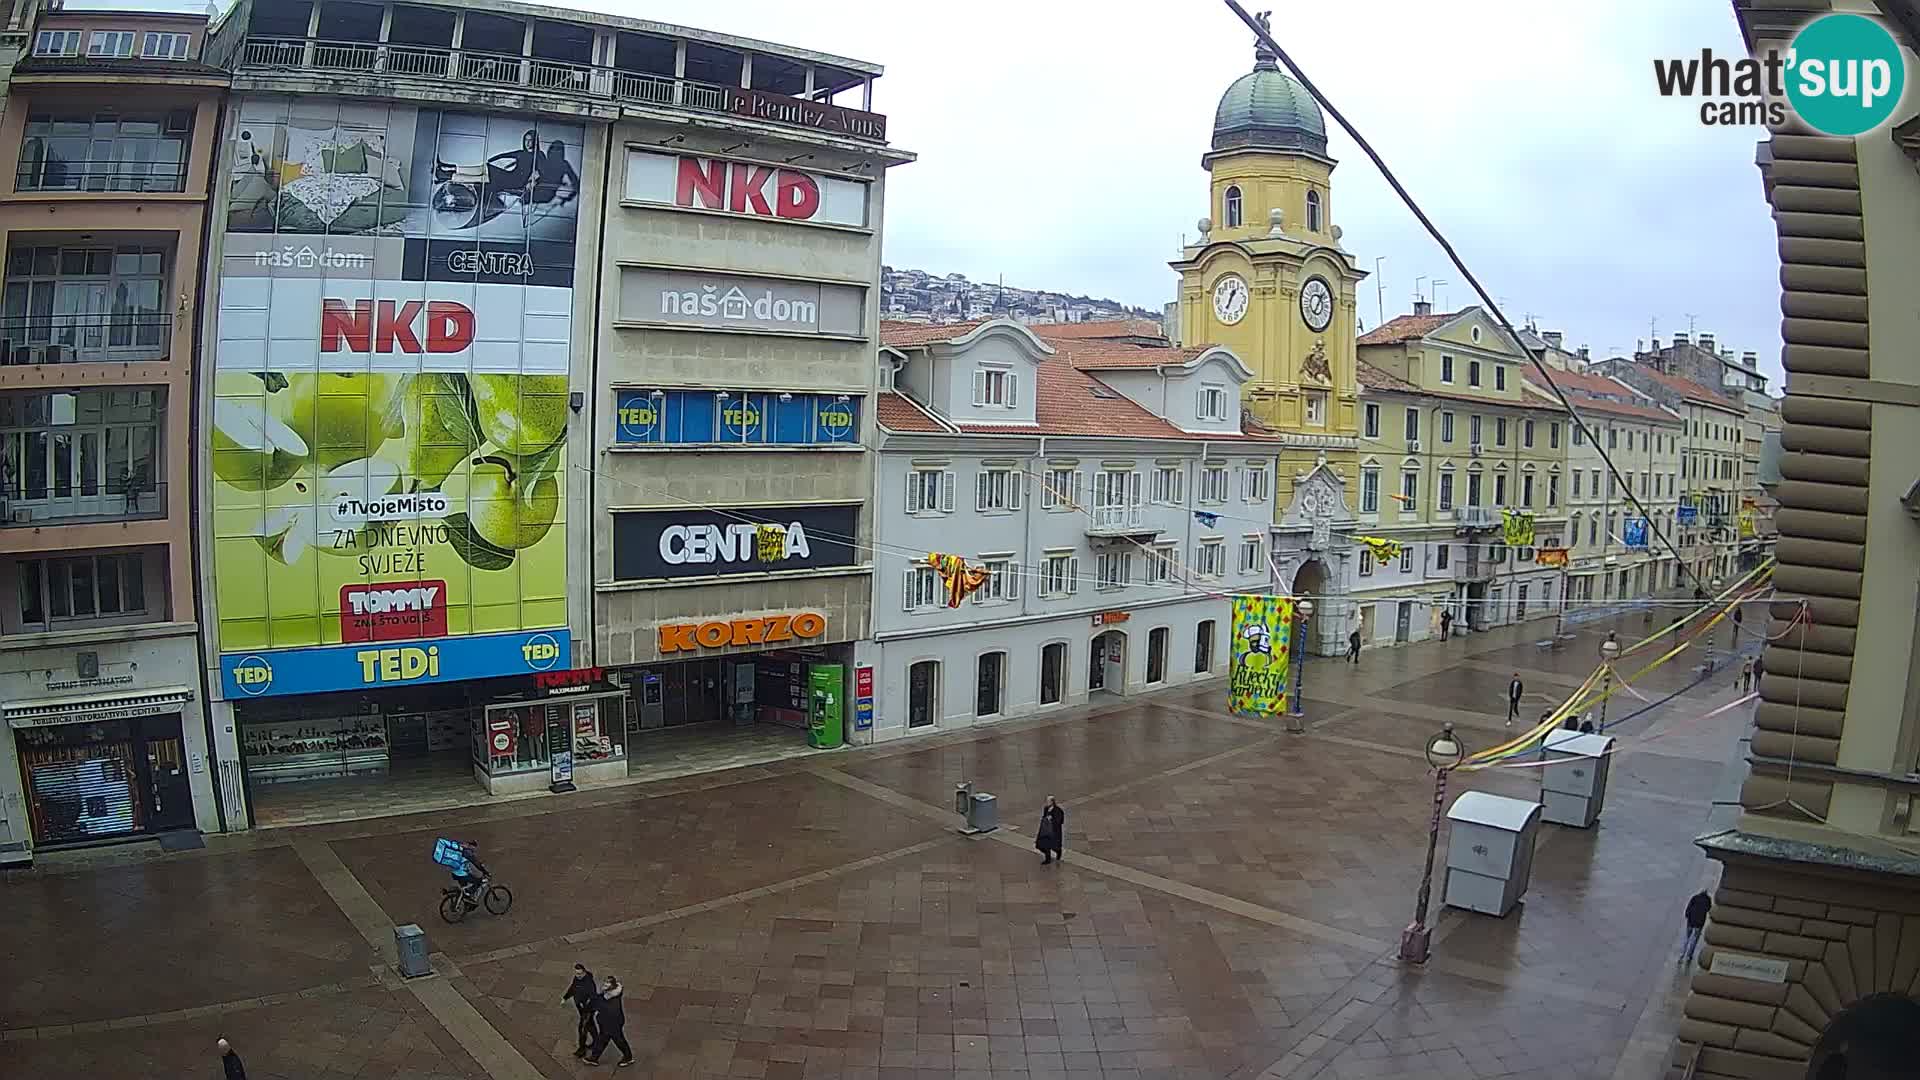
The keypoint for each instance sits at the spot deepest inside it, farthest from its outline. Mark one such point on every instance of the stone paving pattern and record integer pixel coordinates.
(1229, 907)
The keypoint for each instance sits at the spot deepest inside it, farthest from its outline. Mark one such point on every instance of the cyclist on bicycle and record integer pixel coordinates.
(470, 877)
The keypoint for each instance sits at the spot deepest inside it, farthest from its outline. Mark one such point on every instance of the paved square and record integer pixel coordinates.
(1229, 907)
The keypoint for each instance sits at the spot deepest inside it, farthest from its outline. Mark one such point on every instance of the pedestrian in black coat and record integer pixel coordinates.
(1514, 690)
(610, 1016)
(583, 992)
(1053, 831)
(230, 1061)
(1353, 646)
(1697, 909)
(1446, 625)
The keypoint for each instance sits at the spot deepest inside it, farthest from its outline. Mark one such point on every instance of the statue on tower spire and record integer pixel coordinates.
(1263, 57)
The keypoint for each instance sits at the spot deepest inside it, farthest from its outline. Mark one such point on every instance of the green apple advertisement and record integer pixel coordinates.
(391, 395)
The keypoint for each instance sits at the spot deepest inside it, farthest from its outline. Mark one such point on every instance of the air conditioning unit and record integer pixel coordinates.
(1413, 446)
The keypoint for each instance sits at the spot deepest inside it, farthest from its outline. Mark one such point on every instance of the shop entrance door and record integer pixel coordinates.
(169, 792)
(923, 690)
(1106, 667)
(81, 781)
(1403, 623)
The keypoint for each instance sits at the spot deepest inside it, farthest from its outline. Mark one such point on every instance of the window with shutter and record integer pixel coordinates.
(980, 482)
(1013, 389)
(979, 386)
(1073, 575)
(914, 486)
(946, 491)
(907, 599)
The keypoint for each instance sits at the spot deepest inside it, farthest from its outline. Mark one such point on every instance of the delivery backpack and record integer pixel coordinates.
(449, 854)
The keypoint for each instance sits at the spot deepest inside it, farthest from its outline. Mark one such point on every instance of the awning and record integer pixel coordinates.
(94, 708)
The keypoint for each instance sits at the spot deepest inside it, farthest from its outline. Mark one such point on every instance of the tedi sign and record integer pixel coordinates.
(1843, 75)
(747, 188)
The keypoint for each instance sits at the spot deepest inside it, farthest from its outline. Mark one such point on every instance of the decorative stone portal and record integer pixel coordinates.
(1312, 555)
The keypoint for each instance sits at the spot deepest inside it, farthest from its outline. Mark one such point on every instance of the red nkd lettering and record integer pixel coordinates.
(388, 326)
(796, 196)
(749, 194)
(701, 185)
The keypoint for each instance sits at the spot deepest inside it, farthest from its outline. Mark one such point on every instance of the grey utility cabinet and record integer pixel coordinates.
(1489, 851)
(1573, 782)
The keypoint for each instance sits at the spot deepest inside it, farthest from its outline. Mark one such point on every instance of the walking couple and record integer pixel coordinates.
(603, 1016)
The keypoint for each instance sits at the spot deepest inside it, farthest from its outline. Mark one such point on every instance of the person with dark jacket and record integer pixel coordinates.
(1446, 625)
(1353, 646)
(230, 1061)
(1514, 690)
(583, 993)
(610, 1016)
(1697, 909)
(1053, 831)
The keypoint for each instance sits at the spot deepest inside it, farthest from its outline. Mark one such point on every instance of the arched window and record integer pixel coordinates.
(1313, 211)
(1233, 208)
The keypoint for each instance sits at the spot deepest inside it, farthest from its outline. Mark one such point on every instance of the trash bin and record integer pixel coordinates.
(1573, 783)
(411, 943)
(983, 814)
(1489, 851)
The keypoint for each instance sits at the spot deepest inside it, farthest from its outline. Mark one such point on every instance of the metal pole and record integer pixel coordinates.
(1297, 713)
(1416, 939)
(1606, 691)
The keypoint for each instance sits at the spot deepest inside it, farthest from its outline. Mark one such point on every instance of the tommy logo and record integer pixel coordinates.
(393, 612)
(387, 326)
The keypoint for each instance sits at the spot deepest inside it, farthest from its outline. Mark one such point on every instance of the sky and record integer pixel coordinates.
(1059, 145)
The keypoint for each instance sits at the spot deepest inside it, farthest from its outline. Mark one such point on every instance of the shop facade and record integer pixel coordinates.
(103, 741)
(948, 680)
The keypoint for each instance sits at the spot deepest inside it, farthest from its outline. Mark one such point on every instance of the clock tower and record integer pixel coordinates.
(1268, 277)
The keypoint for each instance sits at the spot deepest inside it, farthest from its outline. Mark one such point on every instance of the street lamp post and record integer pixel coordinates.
(1609, 652)
(1716, 593)
(1444, 751)
(1297, 713)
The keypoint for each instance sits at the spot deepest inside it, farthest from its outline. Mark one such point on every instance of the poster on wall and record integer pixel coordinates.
(391, 395)
(1262, 643)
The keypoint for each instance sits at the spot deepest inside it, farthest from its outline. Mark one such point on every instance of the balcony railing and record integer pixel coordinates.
(499, 69)
(1116, 519)
(79, 500)
(85, 339)
(101, 177)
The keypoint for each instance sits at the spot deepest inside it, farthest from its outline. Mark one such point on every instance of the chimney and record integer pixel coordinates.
(1553, 338)
(1678, 340)
(1706, 342)
(1585, 355)
(1656, 344)
(1423, 307)
(1749, 360)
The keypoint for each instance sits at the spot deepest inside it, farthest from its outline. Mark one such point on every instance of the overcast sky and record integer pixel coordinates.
(1059, 145)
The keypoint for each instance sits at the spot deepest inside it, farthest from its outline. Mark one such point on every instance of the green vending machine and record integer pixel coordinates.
(826, 710)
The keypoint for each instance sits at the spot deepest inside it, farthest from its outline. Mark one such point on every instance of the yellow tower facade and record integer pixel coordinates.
(1269, 279)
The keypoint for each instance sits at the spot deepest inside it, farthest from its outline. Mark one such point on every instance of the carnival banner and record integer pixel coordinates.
(1516, 527)
(1551, 556)
(1384, 551)
(1688, 514)
(1262, 644)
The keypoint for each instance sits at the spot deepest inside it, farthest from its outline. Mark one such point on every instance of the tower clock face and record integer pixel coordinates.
(1230, 299)
(1316, 304)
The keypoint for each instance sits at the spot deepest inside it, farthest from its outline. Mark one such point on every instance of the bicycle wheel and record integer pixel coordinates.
(498, 899)
(452, 908)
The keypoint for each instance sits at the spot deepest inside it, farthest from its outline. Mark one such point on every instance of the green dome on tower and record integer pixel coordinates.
(1266, 110)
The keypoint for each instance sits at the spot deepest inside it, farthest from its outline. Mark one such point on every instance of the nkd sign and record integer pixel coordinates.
(752, 189)
(738, 302)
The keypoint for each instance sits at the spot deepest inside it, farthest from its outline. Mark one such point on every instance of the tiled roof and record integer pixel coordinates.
(897, 412)
(1068, 401)
(1688, 388)
(1616, 408)
(908, 334)
(1107, 329)
(1405, 328)
(1101, 355)
(1375, 379)
(1581, 382)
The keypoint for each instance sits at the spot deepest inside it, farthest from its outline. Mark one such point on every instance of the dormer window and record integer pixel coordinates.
(1213, 403)
(996, 388)
(159, 46)
(110, 43)
(1313, 211)
(57, 43)
(1232, 211)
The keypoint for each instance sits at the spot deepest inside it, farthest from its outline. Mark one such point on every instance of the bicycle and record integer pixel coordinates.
(457, 900)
